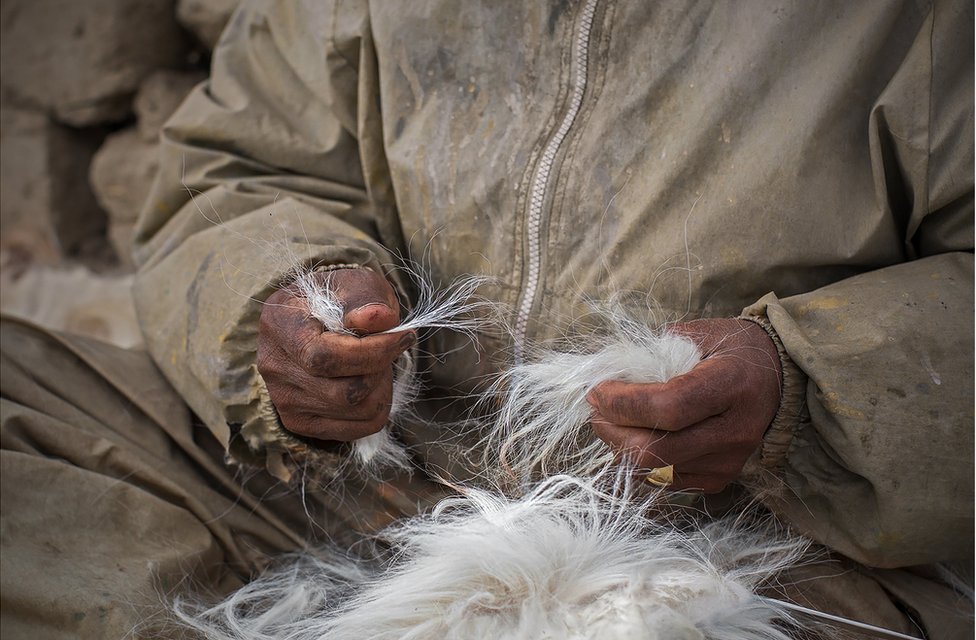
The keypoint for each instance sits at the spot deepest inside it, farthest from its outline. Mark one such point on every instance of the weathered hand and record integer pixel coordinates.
(707, 422)
(332, 386)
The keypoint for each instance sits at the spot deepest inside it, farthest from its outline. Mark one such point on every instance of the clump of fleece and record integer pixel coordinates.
(455, 308)
(541, 424)
(566, 560)
(575, 554)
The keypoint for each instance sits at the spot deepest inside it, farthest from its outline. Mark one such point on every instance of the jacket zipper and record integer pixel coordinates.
(540, 181)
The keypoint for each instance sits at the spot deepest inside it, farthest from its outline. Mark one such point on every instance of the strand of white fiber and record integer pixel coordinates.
(568, 559)
(540, 428)
(455, 308)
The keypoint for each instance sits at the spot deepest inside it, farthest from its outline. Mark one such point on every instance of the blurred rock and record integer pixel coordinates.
(206, 18)
(121, 174)
(120, 234)
(82, 61)
(75, 300)
(47, 209)
(159, 96)
(123, 170)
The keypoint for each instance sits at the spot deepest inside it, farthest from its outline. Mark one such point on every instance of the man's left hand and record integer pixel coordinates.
(705, 423)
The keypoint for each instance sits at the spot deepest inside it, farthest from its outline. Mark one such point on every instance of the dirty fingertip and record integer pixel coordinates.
(593, 396)
(374, 317)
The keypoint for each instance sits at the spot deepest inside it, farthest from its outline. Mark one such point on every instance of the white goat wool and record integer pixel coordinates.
(542, 428)
(567, 560)
(576, 556)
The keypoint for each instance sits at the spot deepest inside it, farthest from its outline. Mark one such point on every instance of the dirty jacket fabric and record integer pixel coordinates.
(810, 163)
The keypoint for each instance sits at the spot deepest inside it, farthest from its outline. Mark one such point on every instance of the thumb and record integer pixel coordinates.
(369, 302)
(372, 317)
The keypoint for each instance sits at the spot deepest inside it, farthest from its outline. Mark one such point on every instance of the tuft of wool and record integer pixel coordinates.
(579, 555)
(541, 424)
(381, 450)
(454, 308)
(566, 560)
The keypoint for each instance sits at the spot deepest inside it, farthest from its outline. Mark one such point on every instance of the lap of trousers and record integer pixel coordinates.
(115, 500)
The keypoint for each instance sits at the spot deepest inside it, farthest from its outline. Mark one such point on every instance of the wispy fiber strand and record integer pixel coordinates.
(567, 560)
(542, 426)
(454, 308)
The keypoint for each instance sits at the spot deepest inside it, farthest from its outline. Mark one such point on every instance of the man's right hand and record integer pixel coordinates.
(332, 386)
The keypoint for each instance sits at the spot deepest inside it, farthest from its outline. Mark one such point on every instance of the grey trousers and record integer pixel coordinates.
(115, 501)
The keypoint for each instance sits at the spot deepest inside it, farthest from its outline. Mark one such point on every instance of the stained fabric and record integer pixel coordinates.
(720, 152)
(115, 499)
(811, 164)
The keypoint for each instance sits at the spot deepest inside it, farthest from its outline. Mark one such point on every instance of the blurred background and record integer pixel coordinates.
(85, 86)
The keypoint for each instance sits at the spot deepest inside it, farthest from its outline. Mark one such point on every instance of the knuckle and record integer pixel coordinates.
(340, 429)
(388, 347)
(274, 372)
(362, 398)
(268, 325)
(623, 406)
(265, 323)
(637, 441)
(602, 429)
(356, 389)
(743, 441)
(383, 404)
(315, 360)
(662, 410)
(627, 442)
(659, 443)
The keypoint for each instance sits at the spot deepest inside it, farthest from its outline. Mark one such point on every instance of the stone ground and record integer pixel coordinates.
(74, 299)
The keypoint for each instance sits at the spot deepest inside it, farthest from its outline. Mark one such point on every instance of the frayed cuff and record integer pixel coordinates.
(285, 455)
(264, 439)
(792, 405)
(339, 267)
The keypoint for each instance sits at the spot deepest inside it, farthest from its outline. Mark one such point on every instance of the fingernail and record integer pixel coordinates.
(369, 318)
(364, 307)
(408, 339)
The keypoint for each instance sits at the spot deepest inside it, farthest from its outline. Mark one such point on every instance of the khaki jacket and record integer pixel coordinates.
(810, 163)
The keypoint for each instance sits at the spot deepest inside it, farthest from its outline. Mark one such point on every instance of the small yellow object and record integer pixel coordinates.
(661, 476)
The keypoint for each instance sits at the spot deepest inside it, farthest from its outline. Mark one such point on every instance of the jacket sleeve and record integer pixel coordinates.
(273, 165)
(880, 464)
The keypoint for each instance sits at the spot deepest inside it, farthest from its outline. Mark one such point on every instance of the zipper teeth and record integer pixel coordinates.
(541, 181)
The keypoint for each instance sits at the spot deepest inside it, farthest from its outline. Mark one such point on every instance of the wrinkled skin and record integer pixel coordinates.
(707, 422)
(331, 386)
